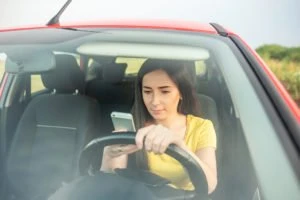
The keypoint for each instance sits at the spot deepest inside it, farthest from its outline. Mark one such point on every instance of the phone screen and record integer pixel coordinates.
(122, 121)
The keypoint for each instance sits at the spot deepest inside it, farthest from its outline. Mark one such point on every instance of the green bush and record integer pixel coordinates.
(294, 54)
(285, 63)
(280, 53)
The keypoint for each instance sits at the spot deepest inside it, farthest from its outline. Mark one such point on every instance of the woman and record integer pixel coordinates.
(164, 111)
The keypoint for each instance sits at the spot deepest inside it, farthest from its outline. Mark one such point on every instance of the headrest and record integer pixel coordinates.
(66, 77)
(114, 72)
(208, 109)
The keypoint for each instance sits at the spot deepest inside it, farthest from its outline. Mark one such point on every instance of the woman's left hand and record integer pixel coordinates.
(156, 138)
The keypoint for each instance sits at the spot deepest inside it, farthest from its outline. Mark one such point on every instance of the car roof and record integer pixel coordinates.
(143, 24)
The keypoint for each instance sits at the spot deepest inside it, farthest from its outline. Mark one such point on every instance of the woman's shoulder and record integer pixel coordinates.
(202, 131)
(197, 121)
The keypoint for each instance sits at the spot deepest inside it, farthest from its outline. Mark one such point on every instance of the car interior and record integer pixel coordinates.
(45, 131)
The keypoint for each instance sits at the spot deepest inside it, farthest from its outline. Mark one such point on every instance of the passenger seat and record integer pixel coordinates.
(51, 133)
(208, 110)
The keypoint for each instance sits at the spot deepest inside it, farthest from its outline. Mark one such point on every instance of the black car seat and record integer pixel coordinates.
(208, 110)
(112, 93)
(51, 133)
(208, 106)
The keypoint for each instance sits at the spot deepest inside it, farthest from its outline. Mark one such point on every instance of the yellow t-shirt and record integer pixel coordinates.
(199, 134)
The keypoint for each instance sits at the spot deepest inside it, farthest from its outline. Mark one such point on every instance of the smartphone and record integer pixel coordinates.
(122, 120)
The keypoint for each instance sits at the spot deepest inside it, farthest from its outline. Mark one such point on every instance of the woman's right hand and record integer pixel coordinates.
(116, 156)
(117, 150)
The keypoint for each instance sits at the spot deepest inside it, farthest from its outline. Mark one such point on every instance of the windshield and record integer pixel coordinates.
(65, 88)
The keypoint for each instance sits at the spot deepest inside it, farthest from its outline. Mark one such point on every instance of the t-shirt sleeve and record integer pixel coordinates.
(206, 135)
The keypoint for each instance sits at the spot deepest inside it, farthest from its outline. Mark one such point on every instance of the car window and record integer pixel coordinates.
(133, 64)
(36, 83)
(2, 64)
(200, 67)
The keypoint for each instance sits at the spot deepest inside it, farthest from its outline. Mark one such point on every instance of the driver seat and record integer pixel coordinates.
(51, 133)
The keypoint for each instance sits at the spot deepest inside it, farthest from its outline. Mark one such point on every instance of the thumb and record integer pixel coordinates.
(119, 130)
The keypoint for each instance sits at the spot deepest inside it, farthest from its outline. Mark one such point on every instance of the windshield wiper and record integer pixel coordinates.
(55, 19)
(82, 30)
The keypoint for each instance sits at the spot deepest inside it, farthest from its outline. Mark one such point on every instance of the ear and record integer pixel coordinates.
(180, 96)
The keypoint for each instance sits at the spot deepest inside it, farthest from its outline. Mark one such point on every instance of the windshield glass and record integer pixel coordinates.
(70, 87)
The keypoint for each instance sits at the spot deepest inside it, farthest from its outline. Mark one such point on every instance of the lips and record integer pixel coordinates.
(156, 112)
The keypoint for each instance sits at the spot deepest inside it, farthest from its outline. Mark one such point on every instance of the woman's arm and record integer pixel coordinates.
(157, 138)
(116, 156)
(206, 158)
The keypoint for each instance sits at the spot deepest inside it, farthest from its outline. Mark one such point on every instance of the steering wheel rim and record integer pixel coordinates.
(192, 167)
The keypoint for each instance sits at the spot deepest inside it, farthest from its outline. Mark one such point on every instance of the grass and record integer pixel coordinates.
(288, 73)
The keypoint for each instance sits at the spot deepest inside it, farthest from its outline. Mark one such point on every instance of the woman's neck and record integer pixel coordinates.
(173, 122)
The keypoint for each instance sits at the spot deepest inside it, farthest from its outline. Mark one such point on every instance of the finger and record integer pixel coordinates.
(120, 149)
(149, 138)
(167, 138)
(139, 138)
(154, 137)
(124, 150)
(157, 142)
(155, 133)
(130, 149)
(119, 130)
(111, 147)
(112, 150)
(164, 145)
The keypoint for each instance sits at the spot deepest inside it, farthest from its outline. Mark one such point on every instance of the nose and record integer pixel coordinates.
(155, 99)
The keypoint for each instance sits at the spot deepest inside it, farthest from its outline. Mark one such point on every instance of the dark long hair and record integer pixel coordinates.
(181, 75)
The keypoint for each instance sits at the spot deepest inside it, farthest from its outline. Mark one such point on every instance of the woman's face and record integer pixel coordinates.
(160, 95)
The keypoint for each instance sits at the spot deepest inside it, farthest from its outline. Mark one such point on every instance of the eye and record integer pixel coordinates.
(147, 91)
(165, 91)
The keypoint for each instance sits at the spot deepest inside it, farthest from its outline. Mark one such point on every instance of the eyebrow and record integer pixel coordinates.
(162, 87)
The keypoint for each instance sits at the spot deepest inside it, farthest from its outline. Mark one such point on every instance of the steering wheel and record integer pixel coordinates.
(192, 167)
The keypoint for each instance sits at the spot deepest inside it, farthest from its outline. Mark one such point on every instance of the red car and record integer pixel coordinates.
(62, 81)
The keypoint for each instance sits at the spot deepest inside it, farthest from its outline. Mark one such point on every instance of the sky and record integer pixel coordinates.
(258, 22)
